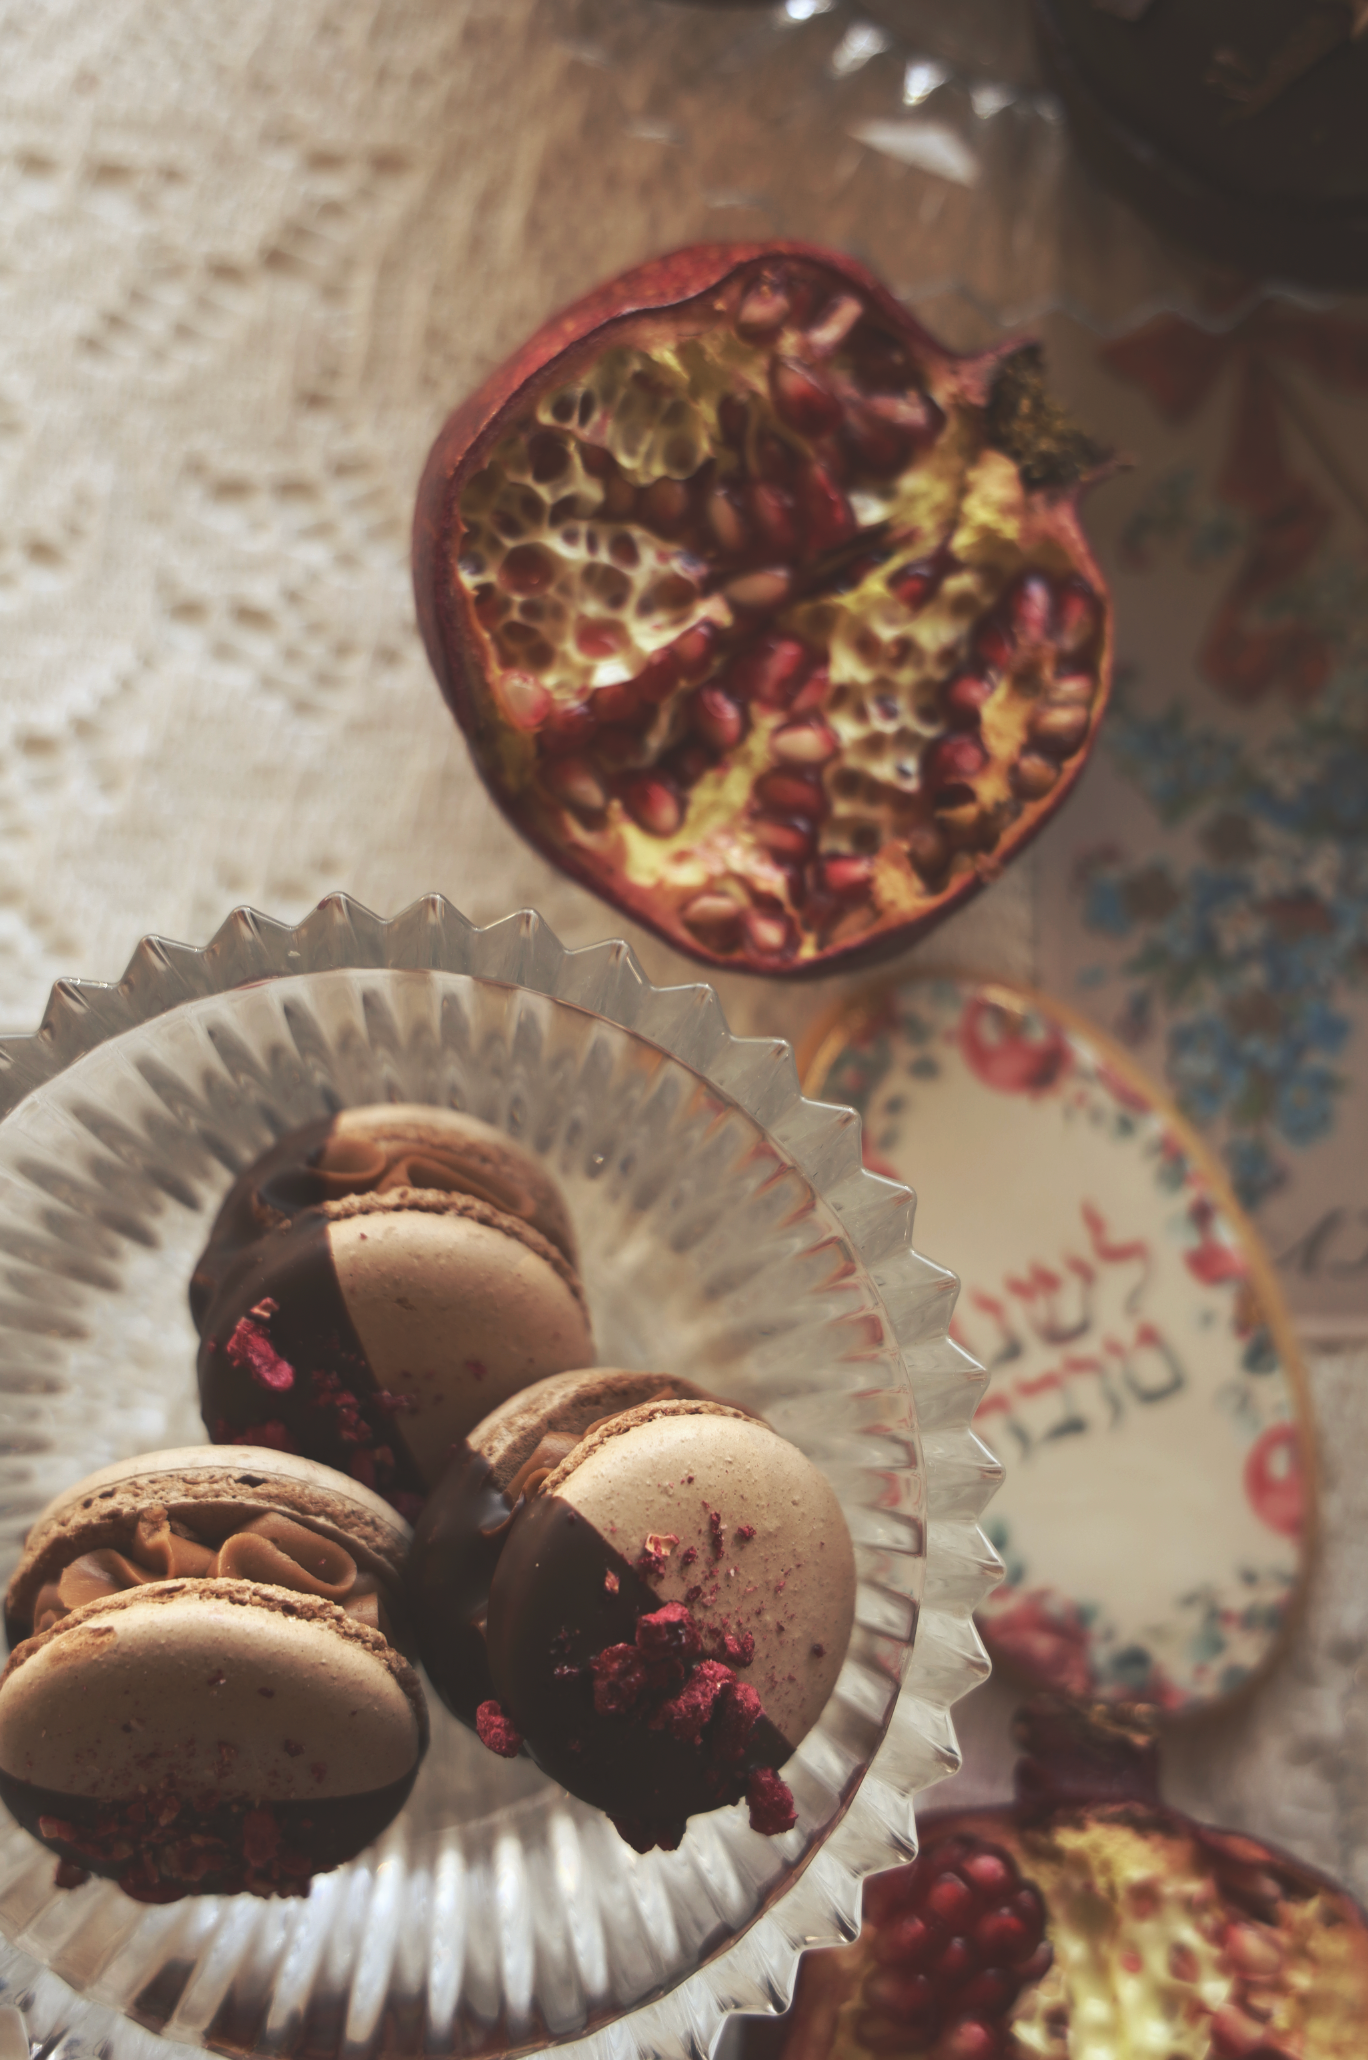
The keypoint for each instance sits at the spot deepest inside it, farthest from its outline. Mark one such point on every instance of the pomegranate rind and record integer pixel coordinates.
(1163, 1937)
(731, 873)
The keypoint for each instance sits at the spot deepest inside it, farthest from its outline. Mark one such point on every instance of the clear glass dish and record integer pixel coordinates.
(728, 1231)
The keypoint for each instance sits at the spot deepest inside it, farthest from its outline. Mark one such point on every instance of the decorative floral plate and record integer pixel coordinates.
(1145, 1398)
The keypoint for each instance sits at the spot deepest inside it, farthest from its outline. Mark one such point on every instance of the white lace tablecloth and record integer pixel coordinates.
(251, 254)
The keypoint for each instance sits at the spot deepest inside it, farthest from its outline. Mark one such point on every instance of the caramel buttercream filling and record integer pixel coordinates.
(271, 1549)
(361, 1165)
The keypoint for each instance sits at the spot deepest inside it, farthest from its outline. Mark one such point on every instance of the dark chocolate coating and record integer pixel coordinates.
(456, 1546)
(152, 1845)
(552, 1607)
(1280, 189)
(330, 1409)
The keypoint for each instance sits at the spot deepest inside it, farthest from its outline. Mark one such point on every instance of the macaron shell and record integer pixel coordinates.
(571, 1403)
(490, 1164)
(216, 1486)
(216, 1688)
(707, 1478)
(454, 1315)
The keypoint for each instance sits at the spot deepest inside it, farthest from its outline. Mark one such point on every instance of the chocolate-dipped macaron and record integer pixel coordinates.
(667, 1615)
(375, 1284)
(464, 1524)
(203, 1696)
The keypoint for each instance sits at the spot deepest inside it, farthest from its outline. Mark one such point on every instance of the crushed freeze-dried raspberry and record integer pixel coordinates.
(744, 1533)
(611, 1583)
(688, 1555)
(736, 1648)
(771, 1803)
(395, 1405)
(265, 1309)
(619, 1673)
(669, 1633)
(494, 1730)
(251, 1349)
(739, 1715)
(717, 1541)
(685, 1715)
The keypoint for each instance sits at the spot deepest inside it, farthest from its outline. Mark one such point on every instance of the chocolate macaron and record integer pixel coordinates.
(375, 1284)
(464, 1524)
(668, 1611)
(203, 1696)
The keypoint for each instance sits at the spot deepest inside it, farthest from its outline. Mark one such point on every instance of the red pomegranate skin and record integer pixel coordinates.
(1086, 1919)
(788, 681)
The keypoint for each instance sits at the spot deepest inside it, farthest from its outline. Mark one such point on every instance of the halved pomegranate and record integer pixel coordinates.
(765, 616)
(1088, 1920)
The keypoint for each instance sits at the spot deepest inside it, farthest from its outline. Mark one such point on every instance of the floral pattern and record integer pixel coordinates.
(1229, 939)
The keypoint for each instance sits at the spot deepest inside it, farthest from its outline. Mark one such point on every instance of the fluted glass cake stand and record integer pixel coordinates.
(728, 1232)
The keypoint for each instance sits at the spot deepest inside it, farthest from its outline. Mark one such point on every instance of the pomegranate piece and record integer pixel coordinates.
(736, 520)
(1087, 1919)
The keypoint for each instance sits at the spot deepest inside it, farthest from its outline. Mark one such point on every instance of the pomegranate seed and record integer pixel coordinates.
(907, 1942)
(971, 2041)
(568, 729)
(1075, 616)
(1073, 687)
(760, 590)
(693, 651)
(916, 413)
(951, 1901)
(964, 698)
(833, 325)
(802, 399)
(994, 646)
(575, 782)
(764, 309)
(958, 1960)
(1032, 609)
(595, 638)
(687, 763)
(1038, 1966)
(653, 804)
(990, 1994)
(928, 851)
(617, 745)
(618, 704)
(658, 677)
(774, 461)
(717, 719)
(1057, 729)
(664, 505)
(793, 841)
(770, 934)
(771, 671)
(911, 1997)
(992, 1873)
(1034, 775)
(1027, 1905)
(523, 701)
(881, 447)
(528, 569)
(849, 877)
(724, 520)
(804, 743)
(715, 919)
(813, 694)
(1235, 2035)
(733, 419)
(1252, 1949)
(772, 510)
(953, 758)
(1002, 1938)
(828, 518)
(792, 793)
(914, 584)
